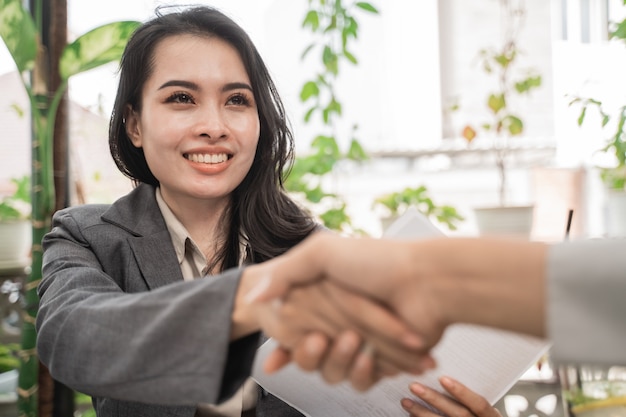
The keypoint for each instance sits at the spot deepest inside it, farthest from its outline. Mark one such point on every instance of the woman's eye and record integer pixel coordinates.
(180, 98)
(238, 100)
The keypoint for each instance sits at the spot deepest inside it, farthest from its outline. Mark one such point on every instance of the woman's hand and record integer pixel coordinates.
(328, 328)
(464, 402)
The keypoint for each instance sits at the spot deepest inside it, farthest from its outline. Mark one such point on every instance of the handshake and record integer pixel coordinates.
(361, 309)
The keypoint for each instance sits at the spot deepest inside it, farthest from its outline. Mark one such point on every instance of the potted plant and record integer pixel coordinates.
(613, 175)
(396, 203)
(15, 227)
(504, 124)
(23, 31)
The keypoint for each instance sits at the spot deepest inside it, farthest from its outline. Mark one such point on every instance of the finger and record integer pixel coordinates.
(372, 318)
(386, 333)
(439, 401)
(276, 360)
(363, 375)
(476, 403)
(309, 354)
(310, 309)
(338, 362)
(416, 409)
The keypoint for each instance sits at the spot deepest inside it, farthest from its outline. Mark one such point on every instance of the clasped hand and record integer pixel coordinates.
(339, 315)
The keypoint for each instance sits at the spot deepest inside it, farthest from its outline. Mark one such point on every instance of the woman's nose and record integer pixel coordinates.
(211, 123)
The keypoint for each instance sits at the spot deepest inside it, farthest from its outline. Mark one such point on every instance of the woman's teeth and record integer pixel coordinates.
(207, 158)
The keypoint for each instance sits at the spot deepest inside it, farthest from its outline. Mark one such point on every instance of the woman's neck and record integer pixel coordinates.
(203, 220)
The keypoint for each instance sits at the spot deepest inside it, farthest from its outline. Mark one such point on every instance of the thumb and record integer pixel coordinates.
(277, 276)
(268, 288)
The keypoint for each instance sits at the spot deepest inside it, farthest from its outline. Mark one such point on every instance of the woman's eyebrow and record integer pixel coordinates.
(180, 83)
(193, 86)
(236, 86)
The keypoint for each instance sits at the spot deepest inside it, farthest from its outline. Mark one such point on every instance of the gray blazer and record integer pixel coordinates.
(586, 301)
(117, 321)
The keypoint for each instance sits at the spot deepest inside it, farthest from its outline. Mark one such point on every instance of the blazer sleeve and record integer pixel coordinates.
(586, 305)
(166, 346)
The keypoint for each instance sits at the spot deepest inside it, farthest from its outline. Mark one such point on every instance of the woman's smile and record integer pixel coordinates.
(197, 103)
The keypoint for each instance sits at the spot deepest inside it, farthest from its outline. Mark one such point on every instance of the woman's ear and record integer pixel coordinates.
(133, 126)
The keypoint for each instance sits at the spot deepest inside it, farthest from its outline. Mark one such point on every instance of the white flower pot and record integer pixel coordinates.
(15, 244)
(513, 221)
(616, 213)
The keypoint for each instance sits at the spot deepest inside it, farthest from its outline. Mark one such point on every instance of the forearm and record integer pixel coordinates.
(489, 282)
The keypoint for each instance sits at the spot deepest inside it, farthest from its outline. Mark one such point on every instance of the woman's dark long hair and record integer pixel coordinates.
(260, 210)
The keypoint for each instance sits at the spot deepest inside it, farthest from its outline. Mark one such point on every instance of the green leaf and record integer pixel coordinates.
(326, 145)
(18, 31)
(514, 125)
(496, 102)
(356, 151)
(97, 47)
(350, 57)
(309, 113)
(315, 195)
(18, 109)
(23, 189)
(581, 117)
(311, 19)
(309, 89)
(330, 60)
(334, 219)
(620, 31)
(367, 7)
(528, 84)
(334, 107)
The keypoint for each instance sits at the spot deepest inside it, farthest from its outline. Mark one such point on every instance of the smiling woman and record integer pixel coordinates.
(198, 126)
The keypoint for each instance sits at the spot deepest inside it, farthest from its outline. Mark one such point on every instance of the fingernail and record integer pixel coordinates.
(446, 382)
(406, 403)
(417, 389)
(348, 343)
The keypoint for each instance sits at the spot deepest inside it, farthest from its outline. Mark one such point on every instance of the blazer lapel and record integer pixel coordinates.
(139, 214)
(156, 259)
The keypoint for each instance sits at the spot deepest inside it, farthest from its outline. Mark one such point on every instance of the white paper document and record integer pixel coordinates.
(486, 360)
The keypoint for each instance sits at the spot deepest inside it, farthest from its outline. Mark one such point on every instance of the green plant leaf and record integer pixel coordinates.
(581, 116)
(309, 113)
(496, 102)
(335, 218)
(330, 60)
(7, 212)
(311, 19)
(97, 47)
(309, 89)
(23, 189)
(356, 151)
(514, 125)
(18, 109)
(620, 31)
(326, 145)
(367, 7)
(350, 57)
(334, 107)
(19, 34)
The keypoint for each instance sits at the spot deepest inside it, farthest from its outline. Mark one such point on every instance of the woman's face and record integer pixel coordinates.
(198, 125)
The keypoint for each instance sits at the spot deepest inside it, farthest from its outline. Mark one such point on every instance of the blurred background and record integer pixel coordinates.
(419, 91)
